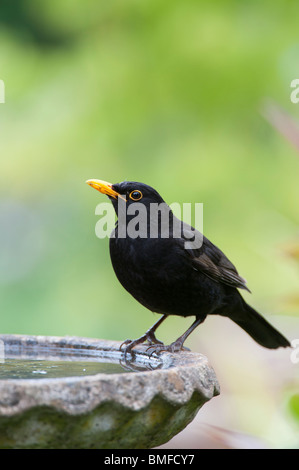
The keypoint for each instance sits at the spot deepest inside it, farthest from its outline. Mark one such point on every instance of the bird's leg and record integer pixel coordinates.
(150, 333)
(178, 344)
(149, 336)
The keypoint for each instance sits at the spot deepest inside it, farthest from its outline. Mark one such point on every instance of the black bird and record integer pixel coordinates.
(170, 273)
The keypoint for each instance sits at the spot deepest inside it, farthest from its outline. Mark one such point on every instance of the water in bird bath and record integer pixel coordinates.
(34, 359)
(20, 368)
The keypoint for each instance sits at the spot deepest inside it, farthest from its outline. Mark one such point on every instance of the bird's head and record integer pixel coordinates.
(128, 191)
(154, 217)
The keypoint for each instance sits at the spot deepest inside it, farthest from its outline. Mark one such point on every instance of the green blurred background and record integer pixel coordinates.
(174, 94)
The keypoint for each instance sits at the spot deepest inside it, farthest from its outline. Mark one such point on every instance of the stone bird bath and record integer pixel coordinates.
(70, 392)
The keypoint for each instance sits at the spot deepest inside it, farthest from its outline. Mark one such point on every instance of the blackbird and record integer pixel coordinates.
(163, 268)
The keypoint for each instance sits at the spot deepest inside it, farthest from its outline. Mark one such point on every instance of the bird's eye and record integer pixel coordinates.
(135, 195)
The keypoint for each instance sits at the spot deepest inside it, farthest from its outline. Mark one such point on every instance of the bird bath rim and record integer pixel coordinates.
(102, 411)
(175, 380)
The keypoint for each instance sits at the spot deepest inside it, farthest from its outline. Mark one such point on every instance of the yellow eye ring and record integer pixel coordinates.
(135, 195)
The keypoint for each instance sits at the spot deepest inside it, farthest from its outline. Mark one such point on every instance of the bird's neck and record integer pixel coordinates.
(143, 221)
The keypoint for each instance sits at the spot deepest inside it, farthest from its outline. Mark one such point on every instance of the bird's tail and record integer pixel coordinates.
(259, 329)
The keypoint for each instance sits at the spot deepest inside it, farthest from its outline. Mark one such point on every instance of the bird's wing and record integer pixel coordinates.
(213, 263)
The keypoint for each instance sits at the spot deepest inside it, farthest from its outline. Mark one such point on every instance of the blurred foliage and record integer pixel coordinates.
(292, 250)
(169, 93)
(294, 406)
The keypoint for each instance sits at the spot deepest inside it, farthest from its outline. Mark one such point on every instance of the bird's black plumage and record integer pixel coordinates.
(170, 277)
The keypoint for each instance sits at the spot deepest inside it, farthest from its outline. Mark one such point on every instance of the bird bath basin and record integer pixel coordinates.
(70, 392)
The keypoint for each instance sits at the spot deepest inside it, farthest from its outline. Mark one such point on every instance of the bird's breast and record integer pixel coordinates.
(159, 277)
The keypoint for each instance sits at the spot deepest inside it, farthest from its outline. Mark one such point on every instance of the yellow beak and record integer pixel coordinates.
(104, 188)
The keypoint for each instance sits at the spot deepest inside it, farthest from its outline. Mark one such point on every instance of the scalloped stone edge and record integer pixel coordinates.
(181, 375)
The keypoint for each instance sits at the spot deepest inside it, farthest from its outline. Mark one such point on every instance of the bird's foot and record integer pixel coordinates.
(129, 344)
(149, 336)
(174, 347)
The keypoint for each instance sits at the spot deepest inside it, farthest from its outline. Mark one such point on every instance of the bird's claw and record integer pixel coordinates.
(174, 347)
(127, 341)
(151, 339)
(148, 336)
(129, 345)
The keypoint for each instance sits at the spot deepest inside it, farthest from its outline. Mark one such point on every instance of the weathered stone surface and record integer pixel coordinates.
(128, 410)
